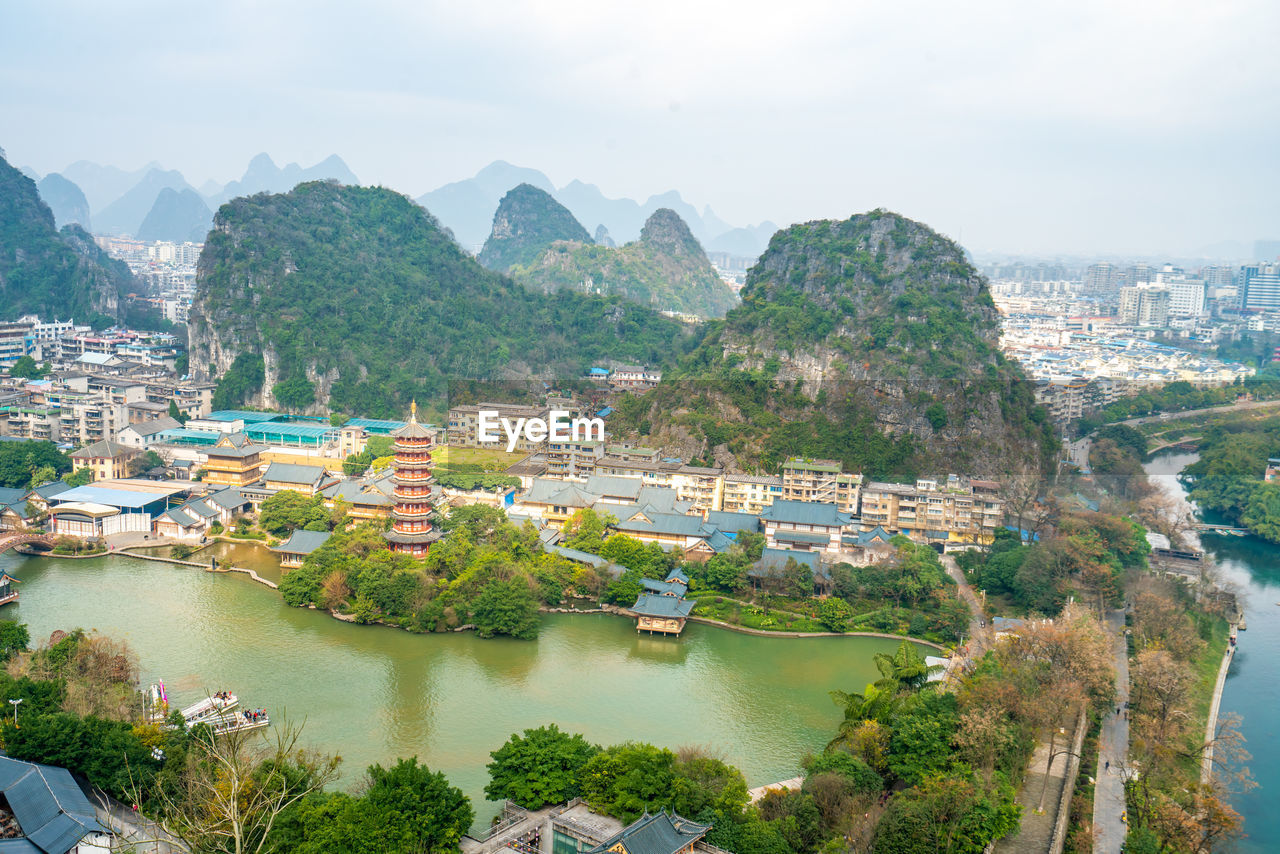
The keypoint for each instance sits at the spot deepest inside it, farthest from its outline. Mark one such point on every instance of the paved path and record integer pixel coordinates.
(1109, 828)
(981, 637)
(1211, 723)
(1035, 830)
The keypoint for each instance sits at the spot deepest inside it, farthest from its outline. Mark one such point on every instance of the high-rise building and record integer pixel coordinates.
(411, 530)
(1140, 274)
(1144, 306)
(1260, 287)
(1186, 296)
(1099, 278)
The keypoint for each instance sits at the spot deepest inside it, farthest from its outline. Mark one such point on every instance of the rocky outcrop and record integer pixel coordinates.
(355, 299)
(527, 221)
(665, 269)
(872, 340)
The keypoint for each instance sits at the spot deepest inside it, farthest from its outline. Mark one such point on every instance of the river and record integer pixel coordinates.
(373, 694)
(1253, 683)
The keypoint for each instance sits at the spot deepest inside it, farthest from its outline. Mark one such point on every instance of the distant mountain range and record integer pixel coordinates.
(467, 208)
(539, 243)
(119, 201)
(153, 203)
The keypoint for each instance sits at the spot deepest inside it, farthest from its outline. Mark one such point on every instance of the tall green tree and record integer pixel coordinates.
(539, 768)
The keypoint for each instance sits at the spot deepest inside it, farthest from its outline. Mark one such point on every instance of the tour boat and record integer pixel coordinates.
(157, 702)
(235, 722)
(210, 707)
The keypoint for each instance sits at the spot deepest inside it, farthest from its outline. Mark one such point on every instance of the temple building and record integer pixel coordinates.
(411, 530)
(661, 606)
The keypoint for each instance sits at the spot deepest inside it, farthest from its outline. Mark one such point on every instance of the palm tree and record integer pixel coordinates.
(905, 670)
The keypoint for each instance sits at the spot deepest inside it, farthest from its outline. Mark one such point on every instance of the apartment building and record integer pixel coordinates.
(747, 493)
(464, 424)
(573, 460)
(634, 378)
(956, 511)
(702, 486)
(822, 481)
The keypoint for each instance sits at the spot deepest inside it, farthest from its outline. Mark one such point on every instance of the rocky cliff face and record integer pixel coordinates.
(354, 299)
(665, 269)
(872, 340)
(527, 221)
(51, 273)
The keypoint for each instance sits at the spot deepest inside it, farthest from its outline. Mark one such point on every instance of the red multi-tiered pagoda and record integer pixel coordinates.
(411, 532)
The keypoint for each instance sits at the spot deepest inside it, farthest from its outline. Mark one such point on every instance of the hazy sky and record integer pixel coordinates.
(1082, 126)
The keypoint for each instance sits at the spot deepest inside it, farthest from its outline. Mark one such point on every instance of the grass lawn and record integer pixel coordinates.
(490, 460)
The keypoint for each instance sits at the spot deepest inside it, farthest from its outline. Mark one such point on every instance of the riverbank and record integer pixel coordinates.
(1211, 723)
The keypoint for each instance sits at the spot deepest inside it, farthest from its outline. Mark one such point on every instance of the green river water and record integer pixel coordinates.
(372, 694)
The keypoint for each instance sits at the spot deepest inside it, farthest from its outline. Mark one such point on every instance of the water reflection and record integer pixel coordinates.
(375, 693)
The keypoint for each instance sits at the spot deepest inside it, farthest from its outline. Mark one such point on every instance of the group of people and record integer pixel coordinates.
(254, 715)
(222, 695)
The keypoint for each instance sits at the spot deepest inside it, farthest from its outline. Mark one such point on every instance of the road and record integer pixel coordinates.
(1190, 413)
(981, 636)
(1109, 828)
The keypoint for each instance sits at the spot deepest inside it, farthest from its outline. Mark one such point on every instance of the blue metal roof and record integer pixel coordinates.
(244, 415)
(375, 425)
(190, 437)
(264, 431)
(112, 497)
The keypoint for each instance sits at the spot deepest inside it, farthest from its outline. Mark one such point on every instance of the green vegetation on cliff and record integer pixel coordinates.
(666, 269)
(527, 221)
(872, 341)
(355, 297)
(51, 273)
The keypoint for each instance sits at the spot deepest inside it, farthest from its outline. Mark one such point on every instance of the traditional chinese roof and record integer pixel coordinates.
(805, 513)
(412, 430)
(303, 542)
(654, 834)
(293, 473)
(657, 605)
(51, 809)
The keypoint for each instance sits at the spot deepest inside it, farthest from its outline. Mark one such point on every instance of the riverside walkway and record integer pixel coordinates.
(1113, 750)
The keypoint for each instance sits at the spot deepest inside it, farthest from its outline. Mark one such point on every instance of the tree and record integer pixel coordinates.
(539, 768)
(177, 414)
(26, 368)
(704, 782)
(145, 462)
(627, 780)
(289, 510)
(409, 809)
(834, 614)
(14, 638)
(20, 460)
(42, 475)
(79, 477)
(506, 607)
(235, 786)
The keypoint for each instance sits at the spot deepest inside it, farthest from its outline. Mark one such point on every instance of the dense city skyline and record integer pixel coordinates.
(1098, 128)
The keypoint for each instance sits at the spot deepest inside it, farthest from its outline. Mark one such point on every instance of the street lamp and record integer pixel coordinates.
(15, 703)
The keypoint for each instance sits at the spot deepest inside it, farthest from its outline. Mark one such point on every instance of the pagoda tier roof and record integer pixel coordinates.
(412, 539)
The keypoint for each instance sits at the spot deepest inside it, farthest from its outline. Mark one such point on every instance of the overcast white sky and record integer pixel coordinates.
(1083, 126)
